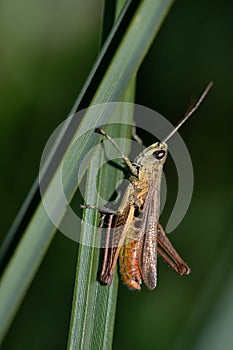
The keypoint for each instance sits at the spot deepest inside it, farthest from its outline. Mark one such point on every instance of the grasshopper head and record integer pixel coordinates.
(154, 154)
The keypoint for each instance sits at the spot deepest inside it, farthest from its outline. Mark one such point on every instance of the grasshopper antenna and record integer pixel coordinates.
(188, 115)
(125, 158)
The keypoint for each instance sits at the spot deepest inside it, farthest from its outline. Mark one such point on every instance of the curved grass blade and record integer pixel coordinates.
(84, 99)
(39, 232)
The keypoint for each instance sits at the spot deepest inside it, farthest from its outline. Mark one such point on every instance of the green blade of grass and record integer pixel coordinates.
(40, 231)
(94, 305)
(93, 311)
(84, 99)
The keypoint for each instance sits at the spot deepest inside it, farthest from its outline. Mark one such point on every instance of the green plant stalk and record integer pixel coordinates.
(93, 311)
(94, 305)
(39, 233)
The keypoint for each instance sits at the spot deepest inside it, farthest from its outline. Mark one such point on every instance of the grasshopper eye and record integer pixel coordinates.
(159, 154)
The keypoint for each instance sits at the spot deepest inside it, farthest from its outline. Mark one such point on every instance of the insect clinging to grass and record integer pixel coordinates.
(138, 236)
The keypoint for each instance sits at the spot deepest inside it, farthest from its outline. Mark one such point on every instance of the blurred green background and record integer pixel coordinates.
(47, 50)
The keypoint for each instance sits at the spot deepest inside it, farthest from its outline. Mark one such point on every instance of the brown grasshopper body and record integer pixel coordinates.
(137, 228)
(137, 236)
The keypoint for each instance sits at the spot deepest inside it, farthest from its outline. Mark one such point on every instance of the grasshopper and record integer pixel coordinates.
(138, 237)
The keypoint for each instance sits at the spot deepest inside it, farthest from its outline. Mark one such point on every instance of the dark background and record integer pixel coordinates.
(47, 50)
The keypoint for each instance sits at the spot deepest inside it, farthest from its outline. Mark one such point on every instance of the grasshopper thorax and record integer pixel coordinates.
(154, 154)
